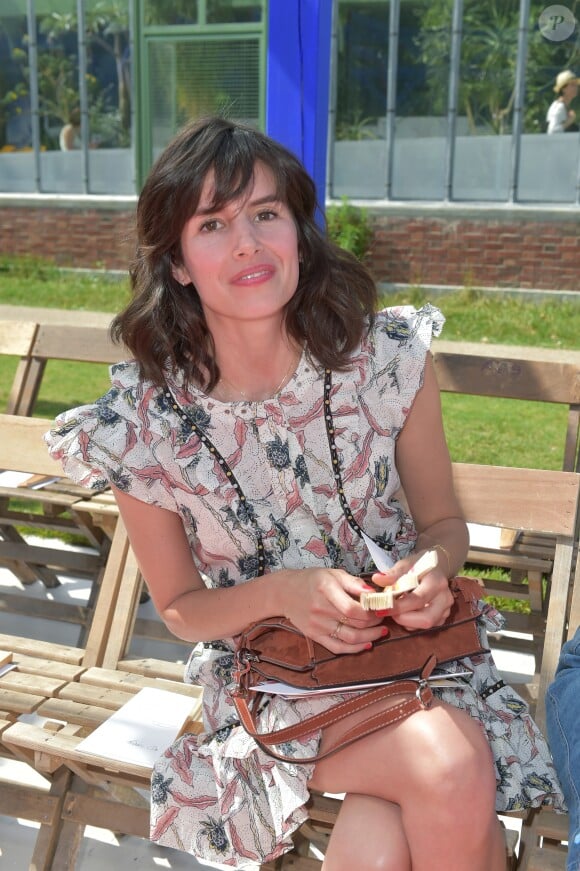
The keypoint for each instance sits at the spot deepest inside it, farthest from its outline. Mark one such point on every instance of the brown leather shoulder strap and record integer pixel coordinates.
(421, 697)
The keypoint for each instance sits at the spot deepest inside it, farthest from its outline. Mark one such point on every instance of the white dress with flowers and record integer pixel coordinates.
(257, 490)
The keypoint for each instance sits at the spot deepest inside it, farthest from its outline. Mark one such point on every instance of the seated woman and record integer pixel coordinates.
(270, 415)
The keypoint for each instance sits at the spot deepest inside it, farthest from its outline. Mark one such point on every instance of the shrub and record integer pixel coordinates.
(350, 227)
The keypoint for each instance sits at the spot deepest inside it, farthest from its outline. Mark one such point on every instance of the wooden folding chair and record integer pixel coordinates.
(99, 791)
(525, 374)
(43, 670)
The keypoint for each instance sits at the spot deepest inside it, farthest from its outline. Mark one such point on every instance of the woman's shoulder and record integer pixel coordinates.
(126, 415)
(402, 325)
(394, 350)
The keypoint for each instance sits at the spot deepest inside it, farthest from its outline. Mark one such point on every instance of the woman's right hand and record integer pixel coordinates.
(324, 604)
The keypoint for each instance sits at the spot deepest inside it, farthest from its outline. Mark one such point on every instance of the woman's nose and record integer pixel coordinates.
(246, 241)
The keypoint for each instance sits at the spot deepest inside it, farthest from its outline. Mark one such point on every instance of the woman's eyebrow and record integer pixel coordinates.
(267, 198)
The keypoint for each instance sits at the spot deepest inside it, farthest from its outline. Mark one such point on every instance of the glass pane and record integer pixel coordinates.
(16, 158)
(59, 100)
(234, 11)
(190, 79)
(486, 91)
(361, 98)
(108, 74)
(170, 12)
(549, 164)
(422, 97)
(15, 126)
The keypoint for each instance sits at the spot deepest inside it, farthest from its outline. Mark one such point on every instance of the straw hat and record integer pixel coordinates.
(565, 78)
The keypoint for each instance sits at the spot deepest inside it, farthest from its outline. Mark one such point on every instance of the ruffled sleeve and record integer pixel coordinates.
(397, 347)
(121, 439)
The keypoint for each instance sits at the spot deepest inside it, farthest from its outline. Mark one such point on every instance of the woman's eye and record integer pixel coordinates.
(209, 226)
(267, 215)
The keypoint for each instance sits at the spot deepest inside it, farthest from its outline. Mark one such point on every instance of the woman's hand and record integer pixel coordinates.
(429, 604)
(324, 604)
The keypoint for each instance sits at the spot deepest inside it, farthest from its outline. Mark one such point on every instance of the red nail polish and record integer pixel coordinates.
(367, 587)
(368, 646)
(384, 631)
(384, 613)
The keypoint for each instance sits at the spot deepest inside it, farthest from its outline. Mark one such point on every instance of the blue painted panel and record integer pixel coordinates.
(298, 81)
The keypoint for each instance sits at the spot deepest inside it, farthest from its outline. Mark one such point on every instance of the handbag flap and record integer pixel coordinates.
(277, 650)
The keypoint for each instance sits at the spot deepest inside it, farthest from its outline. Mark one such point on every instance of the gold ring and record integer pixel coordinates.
(339, 624)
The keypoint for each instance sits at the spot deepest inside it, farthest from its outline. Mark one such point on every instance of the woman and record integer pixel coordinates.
(219, 445)
(560, 117)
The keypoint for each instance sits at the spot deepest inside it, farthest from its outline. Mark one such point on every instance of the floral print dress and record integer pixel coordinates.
(287, 482)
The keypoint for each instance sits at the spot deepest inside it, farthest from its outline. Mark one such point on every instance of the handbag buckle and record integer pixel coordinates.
(242, 659)
(424, 693)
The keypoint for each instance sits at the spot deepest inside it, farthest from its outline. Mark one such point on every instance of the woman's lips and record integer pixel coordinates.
(255, 275)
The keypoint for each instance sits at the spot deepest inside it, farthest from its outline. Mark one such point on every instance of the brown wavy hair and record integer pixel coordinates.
(164, 325)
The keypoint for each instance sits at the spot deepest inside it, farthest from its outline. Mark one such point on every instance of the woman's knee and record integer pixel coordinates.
(456, 765)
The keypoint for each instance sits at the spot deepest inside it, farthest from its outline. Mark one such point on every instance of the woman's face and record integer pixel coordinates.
(569, 91)
(242, 258)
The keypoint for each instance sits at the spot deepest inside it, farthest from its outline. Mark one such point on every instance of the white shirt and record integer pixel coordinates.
(557, 116)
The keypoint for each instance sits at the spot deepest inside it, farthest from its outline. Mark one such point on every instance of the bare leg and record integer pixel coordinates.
(367, 835)
(437, 766)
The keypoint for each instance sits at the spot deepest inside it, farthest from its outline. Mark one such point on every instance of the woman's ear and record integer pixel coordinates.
(180, 275)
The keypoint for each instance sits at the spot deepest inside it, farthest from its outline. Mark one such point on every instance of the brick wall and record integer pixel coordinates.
(79, 237)
(408, 248)
(485, 252)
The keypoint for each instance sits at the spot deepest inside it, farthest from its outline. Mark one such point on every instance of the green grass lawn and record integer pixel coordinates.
(482, 430)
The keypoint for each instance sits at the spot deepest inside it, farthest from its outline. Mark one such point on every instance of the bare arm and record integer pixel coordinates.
(426, 475)
(424, 466)
(314, 599)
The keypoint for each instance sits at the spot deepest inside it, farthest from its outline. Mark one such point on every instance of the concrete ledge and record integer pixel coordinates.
(523, 293)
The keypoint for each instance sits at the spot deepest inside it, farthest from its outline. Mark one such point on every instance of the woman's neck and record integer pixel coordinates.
(255, 366)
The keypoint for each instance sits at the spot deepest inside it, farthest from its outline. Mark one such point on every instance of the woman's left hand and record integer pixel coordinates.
(429, 604)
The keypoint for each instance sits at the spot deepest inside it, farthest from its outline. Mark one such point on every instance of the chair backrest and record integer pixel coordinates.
(16, 340)
(22, 448)
(72, 342)
(538, 374)
(532, 500)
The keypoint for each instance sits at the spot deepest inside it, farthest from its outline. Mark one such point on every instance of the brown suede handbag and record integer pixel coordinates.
(275, 650)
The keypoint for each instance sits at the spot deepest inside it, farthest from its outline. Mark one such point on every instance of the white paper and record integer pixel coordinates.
(493, 537)
(142, 729)
(275, 688)
(13, 479)
(381, 558)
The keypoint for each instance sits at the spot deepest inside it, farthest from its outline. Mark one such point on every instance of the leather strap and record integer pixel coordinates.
(421, 698)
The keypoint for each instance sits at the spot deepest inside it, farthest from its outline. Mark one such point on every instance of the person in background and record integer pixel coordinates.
(560, 117)
(69, 137)
(270, 415)
(563, 725)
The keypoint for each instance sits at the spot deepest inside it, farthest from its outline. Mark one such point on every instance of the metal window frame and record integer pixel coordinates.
(144, 35)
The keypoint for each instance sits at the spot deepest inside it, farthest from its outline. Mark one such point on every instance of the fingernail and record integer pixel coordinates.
(384, 613)
(366, 587)
(384, 631)
(368, 646)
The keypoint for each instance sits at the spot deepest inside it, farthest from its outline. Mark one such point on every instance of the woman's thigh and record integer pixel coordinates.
(433, 747)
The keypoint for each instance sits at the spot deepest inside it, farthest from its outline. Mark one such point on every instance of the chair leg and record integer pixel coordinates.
(48, 838)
